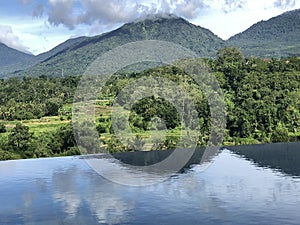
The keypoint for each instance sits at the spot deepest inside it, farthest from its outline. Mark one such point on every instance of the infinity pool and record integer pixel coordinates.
(242, 185)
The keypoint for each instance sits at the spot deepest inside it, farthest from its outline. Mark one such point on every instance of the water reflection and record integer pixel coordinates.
(284, 157)
(66, 191)
(232, 190)
(108, 207)
(148, 168)
(79, 190)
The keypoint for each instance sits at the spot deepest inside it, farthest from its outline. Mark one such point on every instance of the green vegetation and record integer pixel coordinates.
(277, 37)
(12, 59)
(35, 113)
(22, 142)
(75, 59)
(34, 98)
(261, 97)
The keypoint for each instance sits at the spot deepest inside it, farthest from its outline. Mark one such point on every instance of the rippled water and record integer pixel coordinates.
(243, 185)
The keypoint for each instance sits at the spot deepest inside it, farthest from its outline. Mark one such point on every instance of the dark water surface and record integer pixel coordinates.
(243, 185)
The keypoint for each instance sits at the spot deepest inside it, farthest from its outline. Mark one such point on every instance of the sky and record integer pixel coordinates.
(36, 26)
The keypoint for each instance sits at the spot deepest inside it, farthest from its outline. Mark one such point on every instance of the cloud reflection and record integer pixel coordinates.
(230, 191)
(77, 189)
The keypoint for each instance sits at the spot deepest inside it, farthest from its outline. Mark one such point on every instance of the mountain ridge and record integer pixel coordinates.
(12, 55)
(276, 37)
(75, 59)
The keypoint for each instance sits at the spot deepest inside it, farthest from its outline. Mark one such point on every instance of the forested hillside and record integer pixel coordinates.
(75, 59)
(261, 96)
(11, 59)
(33, 98)
(277, 37)
(10, 56)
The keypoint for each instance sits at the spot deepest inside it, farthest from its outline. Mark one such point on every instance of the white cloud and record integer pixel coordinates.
(38, 10)
(189, 8)
(9, 38)
(72, 13)
(284, 4)
(57, 20)
(231, 5)
(38, 35)
(61, 12)
(226, 23)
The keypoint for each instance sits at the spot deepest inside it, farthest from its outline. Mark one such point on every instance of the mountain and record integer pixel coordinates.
(61, 47)
(74, 59)
(10, 56)
(14, 61)
(276, 37)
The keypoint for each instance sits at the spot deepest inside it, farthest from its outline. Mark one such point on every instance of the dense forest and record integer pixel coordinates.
(36, 100)
(33, 98)
(276, 37)
(261, 97)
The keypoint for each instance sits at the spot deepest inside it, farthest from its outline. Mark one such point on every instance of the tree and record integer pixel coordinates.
(63, 139)
(2, 128)
(280, 134)
(137, 143)
(19, 139)
(229, 55)
(52, 106)
(230, 62)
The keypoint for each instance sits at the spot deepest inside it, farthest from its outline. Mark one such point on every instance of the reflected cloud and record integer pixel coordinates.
(231, 190)
(71, 201)
(108, 208)
(65, 190)
(6, 167)
(75, 189)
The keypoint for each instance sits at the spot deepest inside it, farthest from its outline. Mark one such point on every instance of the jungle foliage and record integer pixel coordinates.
(261, 98)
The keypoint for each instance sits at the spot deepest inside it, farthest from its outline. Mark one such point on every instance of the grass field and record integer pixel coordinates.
(37, 126)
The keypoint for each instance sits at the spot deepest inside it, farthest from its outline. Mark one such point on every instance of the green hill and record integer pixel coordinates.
(60, 48)
(11, 59)
(75, 59)
(10, 56)
(276, 37)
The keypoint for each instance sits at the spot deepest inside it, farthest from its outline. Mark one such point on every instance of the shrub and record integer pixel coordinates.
(2, 128)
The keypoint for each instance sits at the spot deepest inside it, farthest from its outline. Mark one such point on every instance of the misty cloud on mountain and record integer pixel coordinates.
(10, 39)
(71, 13)
(189, 8)
(103, 13)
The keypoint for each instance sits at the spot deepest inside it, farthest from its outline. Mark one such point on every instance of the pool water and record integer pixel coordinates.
(257, 184)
